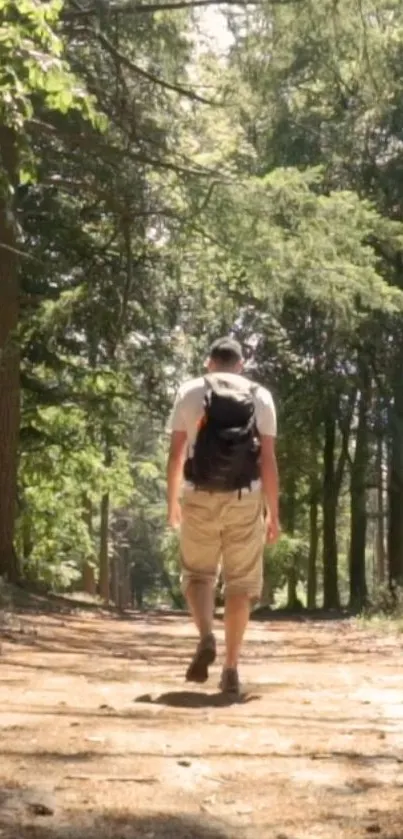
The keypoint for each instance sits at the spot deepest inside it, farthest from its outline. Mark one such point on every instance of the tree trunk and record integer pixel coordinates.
(9, 361)
(104, 569)
(314, 499)
(395, 488)
(104, 550)
(313, 550)
(88, 579)
(289, 520)
(124, 580)
(358, 503)
(380, 530)
(88, 572)
(330, 498)
(115, 580)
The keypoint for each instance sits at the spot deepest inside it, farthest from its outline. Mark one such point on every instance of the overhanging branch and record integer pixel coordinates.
(130, 65)
(134, 7)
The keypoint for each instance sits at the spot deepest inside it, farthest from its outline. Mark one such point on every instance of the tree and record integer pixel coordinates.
(101, 291)
(314, 358)
(223, 194)
(32, 68)
(312, 105)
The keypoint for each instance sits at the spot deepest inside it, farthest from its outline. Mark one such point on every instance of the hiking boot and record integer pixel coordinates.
(204, 656)
(229, 682)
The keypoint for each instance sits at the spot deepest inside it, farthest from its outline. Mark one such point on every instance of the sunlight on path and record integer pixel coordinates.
(96, 715)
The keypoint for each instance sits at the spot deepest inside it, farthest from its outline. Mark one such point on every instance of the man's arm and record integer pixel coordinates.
(269, 477)
(176, 427)
(176, 457)
(267, 428)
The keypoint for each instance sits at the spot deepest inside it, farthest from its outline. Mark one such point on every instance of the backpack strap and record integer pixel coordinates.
(211, 384)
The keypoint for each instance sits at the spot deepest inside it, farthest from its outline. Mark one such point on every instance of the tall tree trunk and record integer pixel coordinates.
(124, 587)
(313, 549)
(115, 580)
(290, 514)
(358, 503)
(88, 579)
(380, 530)
(104, 549)
(331, 598)
(314, 499)
(88, 572)
(104, 567)
(9, 360)
(395, 488)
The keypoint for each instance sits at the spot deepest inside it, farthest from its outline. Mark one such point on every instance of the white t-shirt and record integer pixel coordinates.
(189, 406)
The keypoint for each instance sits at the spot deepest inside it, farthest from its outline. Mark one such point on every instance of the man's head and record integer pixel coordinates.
(225, 355)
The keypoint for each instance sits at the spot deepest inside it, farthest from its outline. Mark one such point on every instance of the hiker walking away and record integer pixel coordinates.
(222, 451)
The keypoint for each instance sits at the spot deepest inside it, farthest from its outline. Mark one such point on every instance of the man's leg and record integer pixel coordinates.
(243, 542)
(201, 550)
(237, 610)
(200, 599)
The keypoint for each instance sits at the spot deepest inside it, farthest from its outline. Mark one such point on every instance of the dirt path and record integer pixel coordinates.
(99, 736)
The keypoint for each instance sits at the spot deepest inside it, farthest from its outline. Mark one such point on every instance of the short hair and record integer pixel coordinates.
(226, 351)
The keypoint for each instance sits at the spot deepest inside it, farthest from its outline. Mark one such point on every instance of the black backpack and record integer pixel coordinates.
(227, 448)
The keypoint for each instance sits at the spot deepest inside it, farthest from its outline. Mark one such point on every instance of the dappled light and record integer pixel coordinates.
(201, 414)
(93, 743)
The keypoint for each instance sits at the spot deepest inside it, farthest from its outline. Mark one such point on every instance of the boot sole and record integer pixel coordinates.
(198, 669)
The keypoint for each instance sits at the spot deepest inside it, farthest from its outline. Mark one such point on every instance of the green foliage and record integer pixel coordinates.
(56, 481)
(274, 212)
(32, 65)
(290, 552)
(171, 559)
(385, 611)
(386, 601)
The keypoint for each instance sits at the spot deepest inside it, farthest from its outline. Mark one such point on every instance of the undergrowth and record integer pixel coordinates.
(385, 610)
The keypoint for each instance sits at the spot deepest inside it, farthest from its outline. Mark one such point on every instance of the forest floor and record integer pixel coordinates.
(100, 738)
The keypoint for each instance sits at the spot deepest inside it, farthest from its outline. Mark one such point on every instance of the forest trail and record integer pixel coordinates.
(100, 737)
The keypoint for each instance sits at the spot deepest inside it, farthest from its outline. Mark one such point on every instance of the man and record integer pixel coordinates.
(223, 431)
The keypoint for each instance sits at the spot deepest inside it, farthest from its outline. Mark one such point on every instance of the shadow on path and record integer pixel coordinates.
(21, 818)
(196, 699)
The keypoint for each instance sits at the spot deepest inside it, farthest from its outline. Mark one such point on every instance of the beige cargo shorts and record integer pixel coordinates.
(223, 530)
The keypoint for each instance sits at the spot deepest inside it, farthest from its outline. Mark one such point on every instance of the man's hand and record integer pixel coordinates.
(272, 531)
(177, 453)
(175, 515)
(269, 475)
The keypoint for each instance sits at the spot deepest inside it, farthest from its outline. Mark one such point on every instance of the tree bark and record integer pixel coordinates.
(88, 571)
(290, 515)
(88, 579)
(9, 361)
(314, 499)
(358, 502)
(331, 598)
(115, 580)
(124, 581)
(380, 530)
(395, 488)
(333, 470)
(313, 550)
(104, 550)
